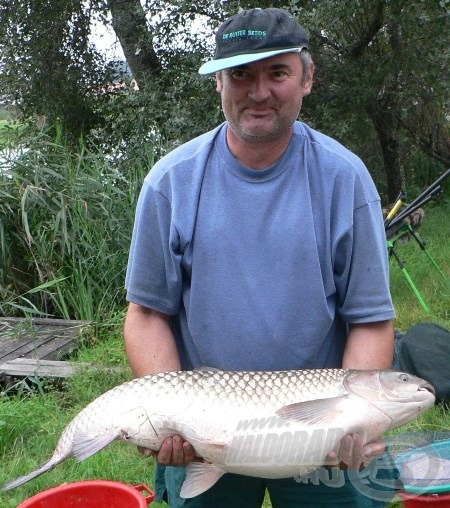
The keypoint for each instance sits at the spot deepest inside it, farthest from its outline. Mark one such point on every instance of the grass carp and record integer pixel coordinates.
(264, 424)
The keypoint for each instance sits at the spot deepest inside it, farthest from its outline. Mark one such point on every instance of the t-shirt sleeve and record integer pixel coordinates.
(362, 269)
(153, 276)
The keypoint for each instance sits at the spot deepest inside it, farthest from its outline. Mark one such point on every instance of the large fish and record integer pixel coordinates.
(264, 424)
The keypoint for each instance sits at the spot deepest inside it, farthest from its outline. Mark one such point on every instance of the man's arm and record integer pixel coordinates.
(151, 348)
(149, 342)
(369, 346)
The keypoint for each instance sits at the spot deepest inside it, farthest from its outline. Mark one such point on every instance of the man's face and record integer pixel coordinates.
(262, 99)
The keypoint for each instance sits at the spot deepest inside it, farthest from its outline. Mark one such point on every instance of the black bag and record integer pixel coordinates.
(424, 350)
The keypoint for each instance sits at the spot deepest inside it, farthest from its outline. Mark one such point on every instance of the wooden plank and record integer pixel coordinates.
(55, 348)
(38, 337)
(23, 367)
(12, 322)
(40, 347)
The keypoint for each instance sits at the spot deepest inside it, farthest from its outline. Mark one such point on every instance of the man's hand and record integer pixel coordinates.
(174, 451)
(353, 455)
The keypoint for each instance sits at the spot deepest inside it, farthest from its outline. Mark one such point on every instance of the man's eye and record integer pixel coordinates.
(239, 74)
(278, 75)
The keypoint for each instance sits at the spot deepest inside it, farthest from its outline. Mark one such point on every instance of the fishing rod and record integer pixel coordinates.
(430, 188)
(408, 210)
(433, 190)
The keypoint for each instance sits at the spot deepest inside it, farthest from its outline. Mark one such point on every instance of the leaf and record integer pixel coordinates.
(46, 285)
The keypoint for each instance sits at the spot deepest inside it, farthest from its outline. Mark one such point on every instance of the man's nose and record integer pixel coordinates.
(259, 88)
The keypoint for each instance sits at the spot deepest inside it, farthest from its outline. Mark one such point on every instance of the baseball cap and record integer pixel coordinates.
(253, 35)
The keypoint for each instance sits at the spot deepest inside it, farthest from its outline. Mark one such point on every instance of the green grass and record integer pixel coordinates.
(434, 289)
(31, 424)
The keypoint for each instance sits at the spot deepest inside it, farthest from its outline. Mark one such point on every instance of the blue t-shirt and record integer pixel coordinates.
(260, 269)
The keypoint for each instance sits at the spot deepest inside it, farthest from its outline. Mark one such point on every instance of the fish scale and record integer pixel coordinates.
(263, 424)
(247, 385)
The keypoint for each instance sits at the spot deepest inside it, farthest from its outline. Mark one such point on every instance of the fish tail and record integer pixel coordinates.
(47, 466)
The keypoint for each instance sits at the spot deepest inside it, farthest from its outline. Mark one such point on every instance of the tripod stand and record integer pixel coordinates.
(397, 225)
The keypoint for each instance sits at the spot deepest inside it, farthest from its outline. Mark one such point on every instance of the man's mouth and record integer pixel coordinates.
(259, 111)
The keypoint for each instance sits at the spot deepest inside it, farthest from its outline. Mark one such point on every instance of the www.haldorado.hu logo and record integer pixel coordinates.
(272, 442)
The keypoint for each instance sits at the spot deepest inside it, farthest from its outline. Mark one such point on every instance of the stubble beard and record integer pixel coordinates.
(281, 126)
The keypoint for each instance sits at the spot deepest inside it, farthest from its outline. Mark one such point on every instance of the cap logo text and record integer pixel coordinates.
(249, 34)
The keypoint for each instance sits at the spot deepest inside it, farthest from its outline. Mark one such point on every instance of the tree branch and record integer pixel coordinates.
(130, 26)
(373, 27)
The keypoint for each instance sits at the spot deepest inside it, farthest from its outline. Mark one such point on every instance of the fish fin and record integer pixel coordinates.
(312, 411)
(47, 466)
(84, 446)
(200, 476)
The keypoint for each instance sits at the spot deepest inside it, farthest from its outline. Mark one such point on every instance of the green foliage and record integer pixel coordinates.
(4, 115)
(167, 110)
(381, 82)
(48, 68)
(67, 217)
(8, 133)
(196, 103)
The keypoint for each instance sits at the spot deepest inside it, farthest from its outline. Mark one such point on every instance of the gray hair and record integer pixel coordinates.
(306, 59)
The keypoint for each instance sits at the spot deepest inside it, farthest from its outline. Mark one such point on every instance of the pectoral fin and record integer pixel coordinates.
(200, 476)
(84, 446)
(313, 412)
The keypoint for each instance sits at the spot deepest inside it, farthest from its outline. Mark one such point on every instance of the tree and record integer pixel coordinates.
(130, 24)
(381, 85)
(48, 66)
(164, 43)
(389, 57)
(388, 60)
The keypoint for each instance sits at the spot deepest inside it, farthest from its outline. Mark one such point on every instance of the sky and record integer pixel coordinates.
(106, 41)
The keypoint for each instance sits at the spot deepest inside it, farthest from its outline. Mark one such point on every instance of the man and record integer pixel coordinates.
(259, 246)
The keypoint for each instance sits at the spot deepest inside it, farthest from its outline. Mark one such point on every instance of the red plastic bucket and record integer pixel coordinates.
(92, 494)
(425, 501)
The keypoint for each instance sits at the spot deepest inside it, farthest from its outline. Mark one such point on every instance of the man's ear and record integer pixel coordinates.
(308, 82)
(219, 84)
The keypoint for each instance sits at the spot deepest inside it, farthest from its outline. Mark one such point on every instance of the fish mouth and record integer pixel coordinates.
(427, 387)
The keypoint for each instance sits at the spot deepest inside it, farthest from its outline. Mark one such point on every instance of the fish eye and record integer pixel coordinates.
(404, 377)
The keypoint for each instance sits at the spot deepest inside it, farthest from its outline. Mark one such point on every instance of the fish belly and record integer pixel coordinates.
(283, 450)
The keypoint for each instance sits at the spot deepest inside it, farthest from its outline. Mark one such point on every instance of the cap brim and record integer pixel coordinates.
(236, 61)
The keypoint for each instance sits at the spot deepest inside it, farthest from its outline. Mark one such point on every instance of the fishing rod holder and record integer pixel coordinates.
(397, 225)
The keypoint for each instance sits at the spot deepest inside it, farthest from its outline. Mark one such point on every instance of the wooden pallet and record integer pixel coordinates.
(36, 346)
